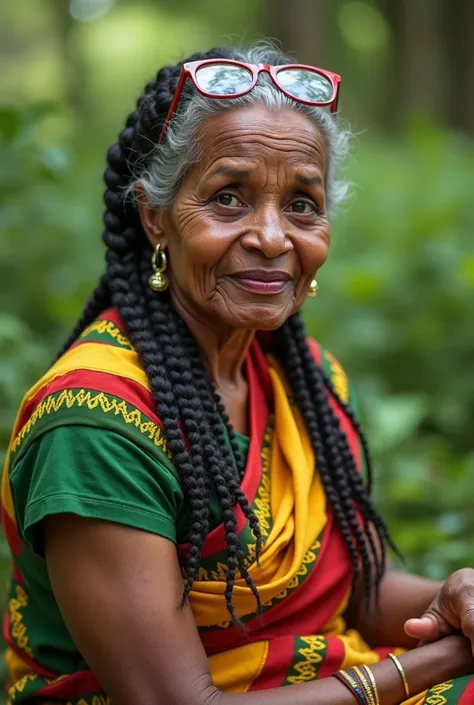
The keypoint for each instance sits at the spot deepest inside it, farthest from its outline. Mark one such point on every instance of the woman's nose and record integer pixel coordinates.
(268, 234)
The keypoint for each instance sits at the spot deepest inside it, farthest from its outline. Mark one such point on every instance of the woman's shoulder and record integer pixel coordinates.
(98, 382)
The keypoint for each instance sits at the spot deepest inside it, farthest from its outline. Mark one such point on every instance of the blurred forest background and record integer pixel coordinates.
(396, 300)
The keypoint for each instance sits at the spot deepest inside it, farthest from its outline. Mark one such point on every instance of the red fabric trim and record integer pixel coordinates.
(75, 685)
(30, 662)
(351, 434)
(260, 364)
(277, 663)
(334, 657)
(467, 697)
(383, 652)
(122, 387)
(16, 575)
(258, 418)
(111, 314)
(315, 349)
(10, 531)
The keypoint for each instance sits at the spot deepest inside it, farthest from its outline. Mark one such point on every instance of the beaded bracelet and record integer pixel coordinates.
(374, 684)
(352, 684)
(367, 678)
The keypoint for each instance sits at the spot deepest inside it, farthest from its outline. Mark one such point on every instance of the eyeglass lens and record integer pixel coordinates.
(306, 85)
(223, 79)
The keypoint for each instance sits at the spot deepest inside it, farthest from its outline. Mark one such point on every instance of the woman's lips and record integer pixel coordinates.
(262, 281)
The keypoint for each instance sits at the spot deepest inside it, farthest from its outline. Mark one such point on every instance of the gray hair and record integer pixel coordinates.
(168, 163)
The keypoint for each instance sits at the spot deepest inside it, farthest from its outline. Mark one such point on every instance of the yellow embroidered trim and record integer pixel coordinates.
(309, 559)
(92, 400)
(312, 657)
(262, 508)
(435, 695)
(17, 627)
(109, 327)
(338, 377)
(21, 684)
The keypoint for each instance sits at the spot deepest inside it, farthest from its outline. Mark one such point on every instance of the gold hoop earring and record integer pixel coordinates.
(158, 280)
(313, 289)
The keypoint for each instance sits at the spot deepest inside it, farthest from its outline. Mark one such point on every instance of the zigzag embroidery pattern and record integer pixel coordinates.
(107, 327)
(92, 400)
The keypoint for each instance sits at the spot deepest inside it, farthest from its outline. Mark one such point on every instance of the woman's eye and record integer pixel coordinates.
(303, 207)
(228, 200)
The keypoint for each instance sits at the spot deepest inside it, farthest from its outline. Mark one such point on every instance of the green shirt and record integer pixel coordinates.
(100, 474)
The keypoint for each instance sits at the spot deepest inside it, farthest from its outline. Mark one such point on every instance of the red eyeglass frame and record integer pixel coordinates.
(189, 71)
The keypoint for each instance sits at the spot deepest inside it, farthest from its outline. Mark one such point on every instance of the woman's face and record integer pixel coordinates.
(248, 229)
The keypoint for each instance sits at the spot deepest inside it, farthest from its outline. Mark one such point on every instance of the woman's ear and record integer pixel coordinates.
(152, 219)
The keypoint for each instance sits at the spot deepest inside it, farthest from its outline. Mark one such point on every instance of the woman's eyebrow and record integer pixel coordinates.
(309, 180)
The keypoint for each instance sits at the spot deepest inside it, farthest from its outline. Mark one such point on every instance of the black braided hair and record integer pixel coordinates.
(197, 429)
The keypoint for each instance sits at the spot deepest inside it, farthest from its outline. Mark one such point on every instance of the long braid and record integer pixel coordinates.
(221, 465)
(212, 429)
(360, 491)
(342, 473)
(337, 470)
(218, 471)
(290, 358)
(196, 426)
(193, 470)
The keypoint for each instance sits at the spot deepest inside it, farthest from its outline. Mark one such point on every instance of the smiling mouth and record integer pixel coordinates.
(262, 281)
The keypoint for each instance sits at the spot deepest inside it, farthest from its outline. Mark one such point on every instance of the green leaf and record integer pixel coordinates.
(394, 419)
(10, 123)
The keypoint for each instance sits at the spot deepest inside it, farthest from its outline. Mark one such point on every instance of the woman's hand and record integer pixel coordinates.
(452, 610)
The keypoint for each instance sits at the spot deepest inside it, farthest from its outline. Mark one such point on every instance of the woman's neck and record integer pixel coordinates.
(223, 349)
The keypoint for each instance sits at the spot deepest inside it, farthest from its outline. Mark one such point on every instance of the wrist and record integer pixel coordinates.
(442, 660)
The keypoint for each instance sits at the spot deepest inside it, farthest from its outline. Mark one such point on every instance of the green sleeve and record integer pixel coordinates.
(94, 473)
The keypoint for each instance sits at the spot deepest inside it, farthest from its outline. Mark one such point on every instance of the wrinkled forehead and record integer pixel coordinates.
(261, 136)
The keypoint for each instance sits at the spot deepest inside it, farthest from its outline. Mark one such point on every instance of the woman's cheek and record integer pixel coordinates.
(312, 258)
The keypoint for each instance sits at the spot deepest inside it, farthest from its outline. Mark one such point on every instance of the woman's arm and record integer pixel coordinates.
(119, 590)
(402, 596)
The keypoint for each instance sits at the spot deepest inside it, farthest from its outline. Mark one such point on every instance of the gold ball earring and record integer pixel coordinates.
(158, 280)
(313, 289)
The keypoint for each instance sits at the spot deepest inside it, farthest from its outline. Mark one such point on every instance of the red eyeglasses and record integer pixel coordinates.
(225, 78)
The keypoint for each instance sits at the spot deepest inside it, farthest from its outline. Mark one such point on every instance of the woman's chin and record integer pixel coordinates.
(259, 317)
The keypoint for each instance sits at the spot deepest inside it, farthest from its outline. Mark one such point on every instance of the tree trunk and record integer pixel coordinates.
(459, 24)
(422, 58)
(75, 71)
(301, 27)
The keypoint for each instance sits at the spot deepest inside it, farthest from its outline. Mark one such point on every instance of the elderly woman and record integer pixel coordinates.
(183, 496)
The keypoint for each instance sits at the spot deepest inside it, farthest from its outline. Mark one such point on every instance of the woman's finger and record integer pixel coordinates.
(428, 628)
